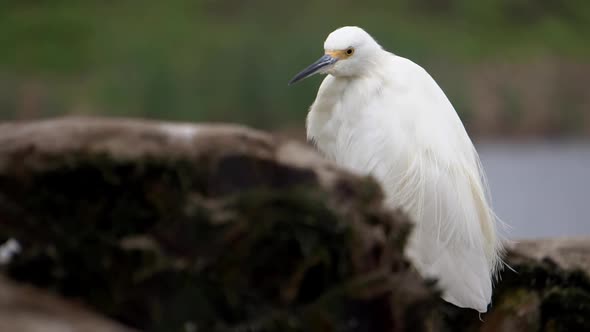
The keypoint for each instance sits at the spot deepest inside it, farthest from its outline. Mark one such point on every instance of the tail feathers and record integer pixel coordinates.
(464, 277)
(463, 274)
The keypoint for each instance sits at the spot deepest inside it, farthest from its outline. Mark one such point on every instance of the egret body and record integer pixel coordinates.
(381, 114)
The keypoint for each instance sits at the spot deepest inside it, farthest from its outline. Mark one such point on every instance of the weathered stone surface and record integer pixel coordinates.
(568, 253)
(556, 271)
(25, 309)
(176, 227)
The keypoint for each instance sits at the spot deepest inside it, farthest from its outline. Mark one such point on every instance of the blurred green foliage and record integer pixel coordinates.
(230, 60)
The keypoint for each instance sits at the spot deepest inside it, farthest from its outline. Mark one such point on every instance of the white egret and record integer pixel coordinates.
(381, 114)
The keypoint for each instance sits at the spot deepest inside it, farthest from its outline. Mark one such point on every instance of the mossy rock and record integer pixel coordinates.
(169, 227)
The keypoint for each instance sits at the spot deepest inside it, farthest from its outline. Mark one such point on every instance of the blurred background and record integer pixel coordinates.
(517, 71)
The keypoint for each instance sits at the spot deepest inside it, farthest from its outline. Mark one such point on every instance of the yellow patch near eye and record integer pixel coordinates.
(339, 54)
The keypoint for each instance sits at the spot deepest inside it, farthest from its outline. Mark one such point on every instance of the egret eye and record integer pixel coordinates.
(349, 51)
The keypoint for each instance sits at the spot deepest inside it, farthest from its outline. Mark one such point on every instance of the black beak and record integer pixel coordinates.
(314, 68)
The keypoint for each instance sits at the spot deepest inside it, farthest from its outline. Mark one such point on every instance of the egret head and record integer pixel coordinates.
(347, 52)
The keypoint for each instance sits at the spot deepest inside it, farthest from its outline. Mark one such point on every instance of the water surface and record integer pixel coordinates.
(540, 189)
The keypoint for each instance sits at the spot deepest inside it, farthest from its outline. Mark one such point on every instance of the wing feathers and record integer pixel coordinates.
(454, 239)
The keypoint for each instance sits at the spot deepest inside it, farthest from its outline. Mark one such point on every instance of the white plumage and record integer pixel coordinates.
(380, 114)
